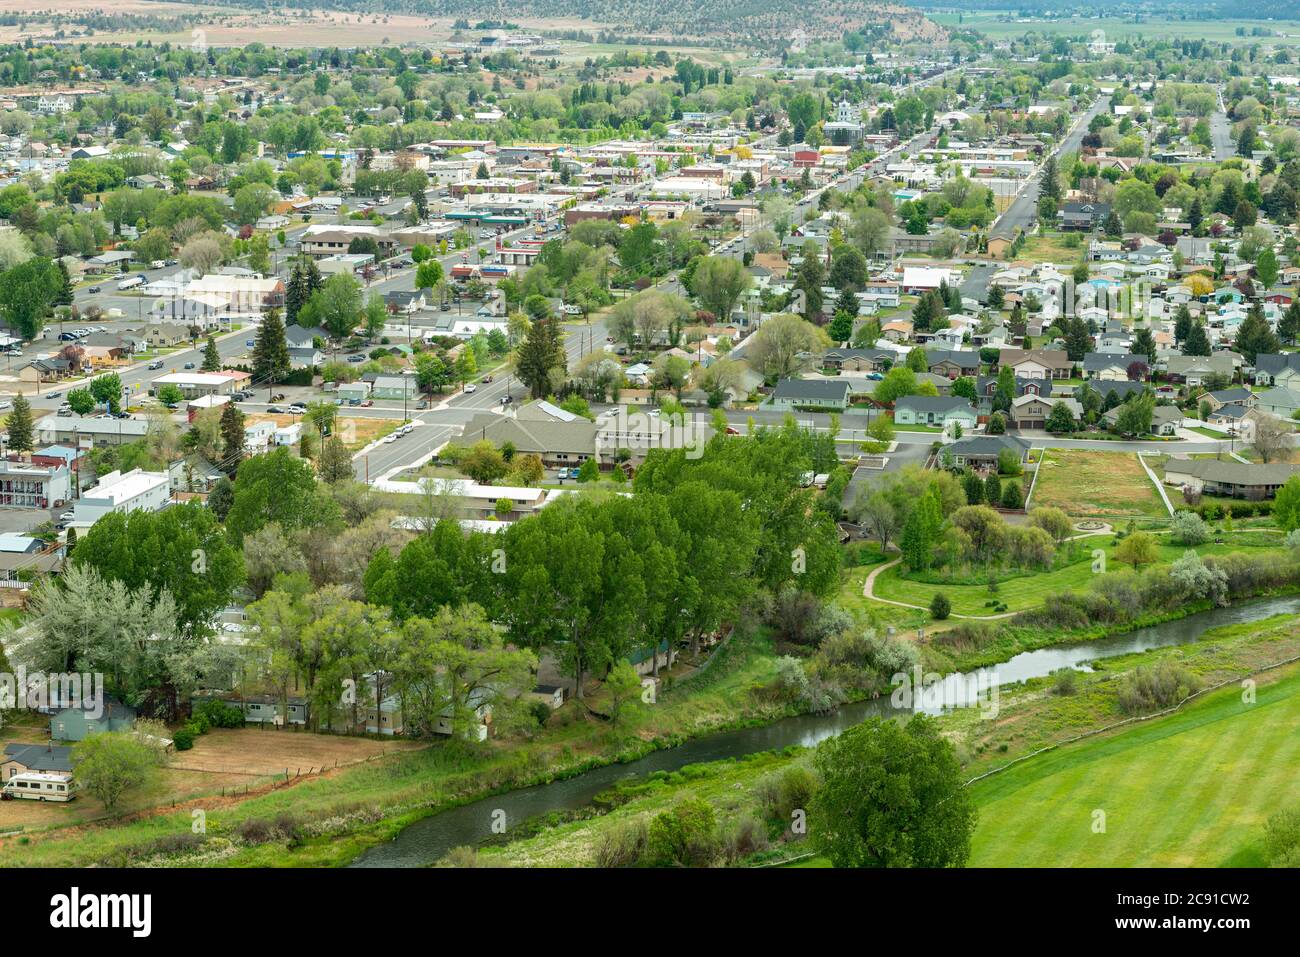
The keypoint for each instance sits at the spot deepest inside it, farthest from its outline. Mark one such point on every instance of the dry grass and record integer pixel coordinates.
(1088, 483)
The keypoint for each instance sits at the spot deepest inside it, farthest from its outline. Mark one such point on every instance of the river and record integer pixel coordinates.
(430, 838)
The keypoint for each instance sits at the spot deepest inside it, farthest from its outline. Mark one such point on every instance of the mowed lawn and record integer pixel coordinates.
(1082, 482)
(1193, 789)
(1027, 591)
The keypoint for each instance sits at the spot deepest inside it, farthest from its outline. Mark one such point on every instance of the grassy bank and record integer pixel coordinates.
(1162, 807)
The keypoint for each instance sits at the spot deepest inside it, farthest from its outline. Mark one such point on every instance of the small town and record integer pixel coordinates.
(629, 437)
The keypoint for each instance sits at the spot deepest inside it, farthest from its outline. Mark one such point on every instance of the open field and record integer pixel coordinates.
(256, 753)
(1051, 248)
(1193, 789)
(1096, 484)
(1116, 29)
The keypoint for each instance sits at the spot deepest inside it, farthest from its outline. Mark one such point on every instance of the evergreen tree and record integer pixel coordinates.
(232, 436)
(1198, 343)
(211, 358)
(1288, 327)
(271, 351)
(1077, 341)
(1144, 344)
(1254, 336)
(335, 464)
(20, 425)
(1182, 324)
(540, 356)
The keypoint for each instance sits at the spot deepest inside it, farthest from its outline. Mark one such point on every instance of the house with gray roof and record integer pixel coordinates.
(1228, 477)
(934, 410)
(559, 440)
(818, 395)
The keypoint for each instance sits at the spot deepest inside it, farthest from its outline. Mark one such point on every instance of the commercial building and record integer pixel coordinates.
(116, 492)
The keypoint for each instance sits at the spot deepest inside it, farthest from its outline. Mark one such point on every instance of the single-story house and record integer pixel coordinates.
(934, 410)
(810, 394)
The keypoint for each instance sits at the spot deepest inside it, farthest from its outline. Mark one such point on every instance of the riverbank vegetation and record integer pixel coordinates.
(1152, 815)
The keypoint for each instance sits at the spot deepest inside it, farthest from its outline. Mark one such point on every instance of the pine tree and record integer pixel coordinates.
(1198, 343)
(271, 351)
(20, 425)
(1288, 327)
(1254, 336)
(335, 464)
(211, 358)
(1182, 324)
(232, 436)
(295, 293)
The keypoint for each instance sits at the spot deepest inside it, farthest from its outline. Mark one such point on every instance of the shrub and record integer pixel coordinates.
(780, 795)
(1282, 838)
(1188, 528)
(1066, 681)
(621, 846)
(683, 836)
(219, 714)
(183, 739)
(745, 838)
(1011, 495)
(1155, 688)
(940, 606)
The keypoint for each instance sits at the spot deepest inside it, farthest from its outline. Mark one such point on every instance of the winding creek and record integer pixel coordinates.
(428, 839)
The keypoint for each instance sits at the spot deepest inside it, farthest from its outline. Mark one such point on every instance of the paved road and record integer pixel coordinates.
(1023, 211)
(1221, 133)
(437, 426)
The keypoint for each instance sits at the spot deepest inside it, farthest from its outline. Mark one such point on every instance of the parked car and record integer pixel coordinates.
(297, 409)
(390, 438)
(156, 364)
(250, 343)
(274, 410)
(367, 403)
(356, 358)
(51, 395)
(95, 289)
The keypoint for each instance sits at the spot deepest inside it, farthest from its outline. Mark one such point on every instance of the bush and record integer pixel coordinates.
(940, 606)
(219, 714)
(1011, 496)
(1155, 688)
(1066, 681)
(684, 836)
(1188, 528)
(622, 846)
(745, 838)
(1282, 838)
(780, 795)
(183, 739)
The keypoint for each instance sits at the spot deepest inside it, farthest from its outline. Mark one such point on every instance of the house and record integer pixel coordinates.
(981, 452)
(1279, 369)
(257, 708)
(1195, 370)
(1282, 402)
(558, 437)
(1165, 419)
(953, 364)
(1222, 397)
(77, 724)
(860, 360)
(98, 431)
(1083, 216)
(1032, 411)
(1113, 366)
(934, 410)
(395, 387)
(21, 758)
(1037, 363)
(1228, 477)
(1236, 418)
(810, 395)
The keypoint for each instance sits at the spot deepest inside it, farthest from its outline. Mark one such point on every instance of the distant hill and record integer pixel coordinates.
(764, 20)
(1190, 9)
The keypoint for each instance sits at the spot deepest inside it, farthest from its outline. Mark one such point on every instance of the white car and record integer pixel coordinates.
(296, 409)
(390, 438)
(470, 387)
(67, 516)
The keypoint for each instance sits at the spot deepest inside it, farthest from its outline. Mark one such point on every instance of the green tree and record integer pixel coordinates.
(211, 358)
(112, 764)
(232, 437)
(891, 796)
(270, 350)
(1137, 550)
(20, 426)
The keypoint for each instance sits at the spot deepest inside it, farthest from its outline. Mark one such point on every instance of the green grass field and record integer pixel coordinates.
(1193, 789)
(1027, 591)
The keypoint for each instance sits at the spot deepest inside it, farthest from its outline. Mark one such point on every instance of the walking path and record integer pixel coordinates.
(869, 586)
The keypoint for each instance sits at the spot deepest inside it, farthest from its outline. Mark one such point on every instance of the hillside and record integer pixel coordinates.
(767, 21)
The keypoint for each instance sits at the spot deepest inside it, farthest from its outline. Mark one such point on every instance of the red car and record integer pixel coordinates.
(367, 403)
